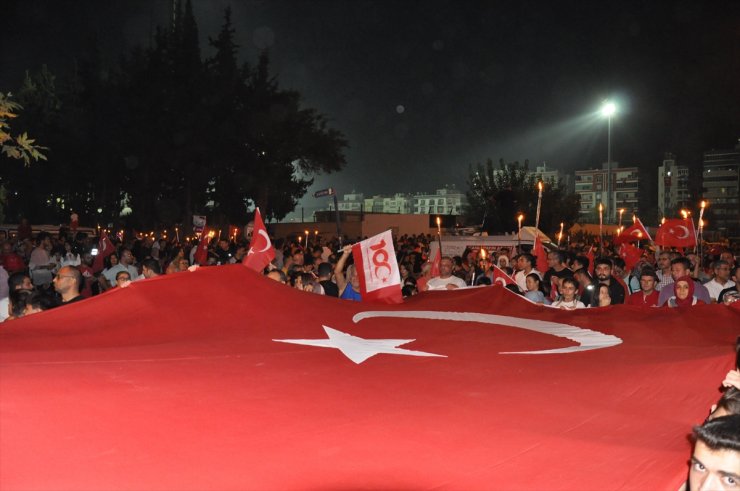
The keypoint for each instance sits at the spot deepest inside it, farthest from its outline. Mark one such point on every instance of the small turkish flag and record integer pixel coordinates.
(105, 249)
(630, 254)
(499, 276)
(676, 232)
(539, 252)
(634, 233)
(201, 253)
(591, 260)
(261, 251)
(375, 260)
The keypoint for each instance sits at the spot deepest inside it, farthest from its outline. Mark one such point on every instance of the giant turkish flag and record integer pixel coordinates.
(221, 379)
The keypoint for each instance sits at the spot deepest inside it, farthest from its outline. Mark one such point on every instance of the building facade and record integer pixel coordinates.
(446, 201)
(673, 187)
(591, 186)
(720, 187)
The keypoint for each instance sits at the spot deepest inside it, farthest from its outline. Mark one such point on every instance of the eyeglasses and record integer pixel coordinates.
(63, 276)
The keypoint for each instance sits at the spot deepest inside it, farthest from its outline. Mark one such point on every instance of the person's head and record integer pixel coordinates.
(39, 301)
(17, 302)
(605, 296)
(353, 278)
(581, 262)
(722, 270)
(298, 258)
(445, 267)
(533, 282)
(619, 267)
(568, 289)
(683, 288)
(403, 271)
(525, 262)
(127, 257)
(715, 462)
(19, 281)
(183, 264)
(122, 277)
(483, 280)
(426, 270)
(68, 282)
(680, 266)
(727, 257)
(111, 260)
(556, 260)
(277, 275)
(735, 274)
(603, 268)
(729, 403)
(664, 261)
(581, 275)
(150, 268)
(503, 261)
(87, 259)
(648, 280)
(324, 271)
(44, 239)
(408, 291)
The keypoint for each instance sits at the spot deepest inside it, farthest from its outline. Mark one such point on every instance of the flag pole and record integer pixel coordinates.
(601, 228)
(439, 235)
(539, 205)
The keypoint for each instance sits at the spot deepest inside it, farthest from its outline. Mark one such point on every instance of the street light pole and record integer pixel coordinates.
(608, 109)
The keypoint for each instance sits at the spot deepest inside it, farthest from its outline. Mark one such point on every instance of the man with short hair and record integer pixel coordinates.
(681, 266)
(648, 296)
(586, 286)
(603, 271)
(558, 269)
(735, 288)
(715, 462)
(720, 281)
(67, 283)
(664, 271)
(328, 287)
(40, 263)
(150, 268)
(525, 265)
(446, 280)
(125, 263)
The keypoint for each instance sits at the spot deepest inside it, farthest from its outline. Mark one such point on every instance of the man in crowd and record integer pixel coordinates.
(647, 295)
(558, 269)
(525, 265)
(446, 280)
(125, 263)
(67, 283)
(720, 281)
(715, 463)
(735, 289)
(585, 285)
(329, 288)
(664, 271)
(681, 266)
(603, 271)
(150, 268)
(40, 263)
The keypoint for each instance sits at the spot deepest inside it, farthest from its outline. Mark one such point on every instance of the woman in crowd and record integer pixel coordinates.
(683, 293)
(535, 292)
(605, 296)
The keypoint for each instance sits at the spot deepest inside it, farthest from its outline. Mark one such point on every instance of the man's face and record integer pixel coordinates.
(63, 281)
(715, 470)
(647, 284)
(727, 256)
(298, 258)
(722, 272)
(678, 270)
(603, 272)
(445, 268)
(552, 260)
(664, 261)
(127, 258)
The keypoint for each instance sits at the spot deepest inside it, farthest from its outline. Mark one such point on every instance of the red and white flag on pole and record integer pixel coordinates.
(375, 260)
(201, 253)
(105, 249)
(630, 254)
(500, 276)
(435, 258)
(676, 232)
(633, 233)
(261, 251)
(540, 255)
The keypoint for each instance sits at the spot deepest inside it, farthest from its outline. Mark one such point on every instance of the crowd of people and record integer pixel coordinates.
(44, 272)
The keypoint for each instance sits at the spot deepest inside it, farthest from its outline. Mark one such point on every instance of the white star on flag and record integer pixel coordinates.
(359, 349)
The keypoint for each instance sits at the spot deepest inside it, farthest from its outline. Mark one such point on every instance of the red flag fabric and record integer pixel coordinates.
(539, 251)
(591, 260)
(105, 249)
(500, 276)
(377, 269)
(261, 251)
(142, 388)
(201, 253)
(630, 254)
(676, 232)
(436, 260)
(633, 233)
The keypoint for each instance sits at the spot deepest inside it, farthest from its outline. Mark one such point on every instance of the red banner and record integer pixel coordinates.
(268, 387)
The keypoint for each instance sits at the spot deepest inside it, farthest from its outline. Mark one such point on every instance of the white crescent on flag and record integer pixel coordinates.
(586, 338)
(268, 244)
(685, 229)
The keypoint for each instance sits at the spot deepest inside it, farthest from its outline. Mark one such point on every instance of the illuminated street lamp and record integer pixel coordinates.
(608, 109)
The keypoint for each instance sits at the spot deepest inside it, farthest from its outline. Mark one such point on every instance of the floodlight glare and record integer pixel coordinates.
(608, 109)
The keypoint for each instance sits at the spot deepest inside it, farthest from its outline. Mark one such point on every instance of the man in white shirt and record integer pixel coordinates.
(125, 263)
(445, 280)
(525, 266)
(721, 279)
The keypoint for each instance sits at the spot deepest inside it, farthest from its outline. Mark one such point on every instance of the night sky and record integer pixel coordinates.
(423, 89)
